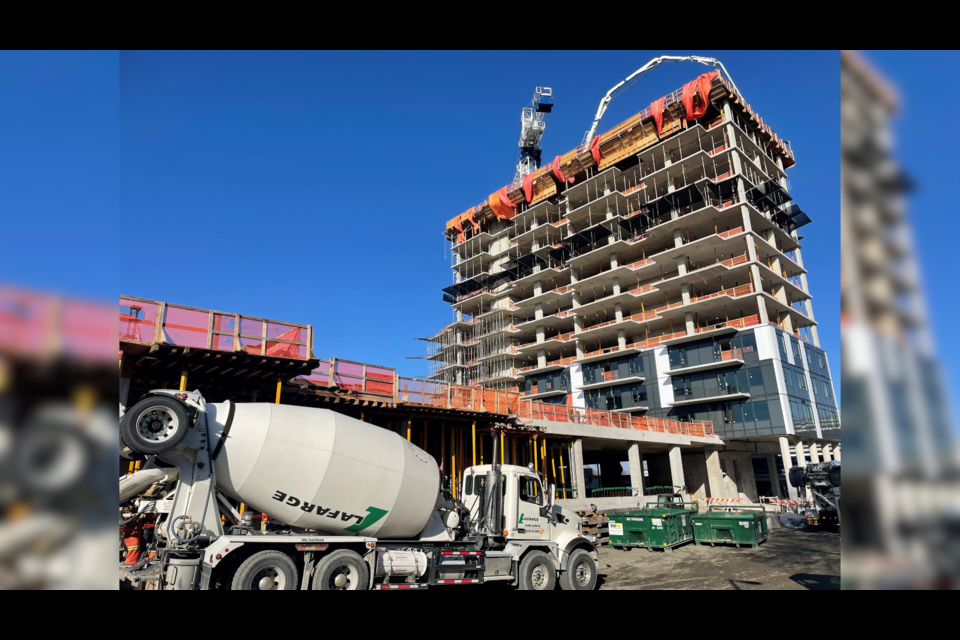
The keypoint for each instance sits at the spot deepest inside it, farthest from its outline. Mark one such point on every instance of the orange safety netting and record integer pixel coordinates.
(595, 149)
(699, 86)
(501, 205)
(528, 187)
(656, 109)
(458, 225)
(557, 172)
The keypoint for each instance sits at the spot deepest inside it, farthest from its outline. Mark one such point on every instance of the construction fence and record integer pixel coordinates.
(532, 410)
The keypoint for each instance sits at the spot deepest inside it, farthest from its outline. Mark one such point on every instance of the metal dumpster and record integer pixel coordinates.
(743, 526)
(654, 527)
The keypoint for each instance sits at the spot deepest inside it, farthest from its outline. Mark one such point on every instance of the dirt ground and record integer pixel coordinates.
(789, 559)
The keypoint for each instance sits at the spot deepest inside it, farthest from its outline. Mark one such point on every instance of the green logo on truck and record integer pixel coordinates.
(373, 515)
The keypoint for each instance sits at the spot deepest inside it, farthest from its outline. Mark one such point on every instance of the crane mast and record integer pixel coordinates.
(532, 126)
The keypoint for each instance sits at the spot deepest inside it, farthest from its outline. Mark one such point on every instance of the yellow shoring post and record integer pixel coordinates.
(501, 448)
(408, 429)
(279, 386)
(563, 478)
(183, 381)
(553, 466)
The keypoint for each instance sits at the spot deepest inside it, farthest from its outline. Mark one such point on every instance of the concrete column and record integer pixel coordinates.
(735, 161)
(682, 265)
(538, 311)
(609, 208)
(786, 454)
(541, 357)
(618, 311)
(621, 339)
(613, 260)
(836, 453)
(814, 453)
(579, 349)
(636, 467)
(541, 336)
(762, 310)
(677, 237)
(537, 287)
(616, 286)
(671, 187)
(828, 453)
(714, 474)
(578, 324)
(802, 462)
(577, 470)
(685, 293)
(575, 298)
(691, 327)
(748, 479)
(774, 476)
(745, 221)
(676, 467)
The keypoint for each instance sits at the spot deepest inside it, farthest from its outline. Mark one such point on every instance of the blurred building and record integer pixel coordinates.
(899, 439)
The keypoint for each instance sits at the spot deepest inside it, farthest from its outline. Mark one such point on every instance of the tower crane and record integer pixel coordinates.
(634, 77)
(531, 131)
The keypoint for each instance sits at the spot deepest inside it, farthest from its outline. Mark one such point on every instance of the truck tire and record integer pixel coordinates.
(342, 570)
(537, 572)
(581, 573)
(155, 425)
(266, 571)
(795, 477)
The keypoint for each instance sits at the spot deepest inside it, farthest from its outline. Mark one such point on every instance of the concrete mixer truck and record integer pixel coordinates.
(357, 507)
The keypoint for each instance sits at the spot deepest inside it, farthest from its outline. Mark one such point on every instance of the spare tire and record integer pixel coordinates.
(835, 475)
(155, 425)
(795, 477)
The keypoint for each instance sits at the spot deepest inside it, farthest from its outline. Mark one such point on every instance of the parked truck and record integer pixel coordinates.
(355, 506)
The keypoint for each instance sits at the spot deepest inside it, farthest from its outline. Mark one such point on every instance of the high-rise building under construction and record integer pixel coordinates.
(654, 270)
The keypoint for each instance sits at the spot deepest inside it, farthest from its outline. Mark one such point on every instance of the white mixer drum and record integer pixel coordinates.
(318, 469)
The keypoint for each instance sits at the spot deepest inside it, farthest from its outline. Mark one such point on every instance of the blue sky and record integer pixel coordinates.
(926, 150)
(314, 187)
(59, 168)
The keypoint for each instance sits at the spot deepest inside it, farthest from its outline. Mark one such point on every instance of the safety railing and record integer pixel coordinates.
(739, 323)
(443, 395)
(733, 292)
(532, 410)
(154, 322)
(615, 492)
(353, 376)
(550, 363)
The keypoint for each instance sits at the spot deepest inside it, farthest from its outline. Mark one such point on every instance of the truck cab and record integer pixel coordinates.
(529, 513)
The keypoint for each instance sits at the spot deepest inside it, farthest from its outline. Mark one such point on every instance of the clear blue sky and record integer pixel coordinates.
(926, 147)
(59, 172)
(314, 187)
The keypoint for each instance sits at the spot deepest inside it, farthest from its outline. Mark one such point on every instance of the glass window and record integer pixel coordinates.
(530, 490)
(796, 352)
(617, 399)
(755, 376)
(783, 347)
(802, 379)
(749, 343)
(748, 412)
(468, 486)
(826, 390)
(728, 414)
(793, 410)
(809, 357)
(737, 413)
(639, 394)
(742, 385)
(786, 376)
(807, 413)
(823, 363)
(816, 388)
(761, 411)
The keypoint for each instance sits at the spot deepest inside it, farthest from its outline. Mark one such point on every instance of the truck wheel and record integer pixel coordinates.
(537, 572)
(795, 477)
(581, 573)
(266, 571)
(342, 570)
(155, 425)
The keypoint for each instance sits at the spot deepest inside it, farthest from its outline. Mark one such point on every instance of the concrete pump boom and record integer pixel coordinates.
(634, 77)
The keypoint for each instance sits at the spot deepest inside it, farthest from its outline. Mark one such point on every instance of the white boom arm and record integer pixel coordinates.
(634, 77)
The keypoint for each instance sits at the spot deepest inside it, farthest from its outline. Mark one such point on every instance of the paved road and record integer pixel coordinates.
(789, 559)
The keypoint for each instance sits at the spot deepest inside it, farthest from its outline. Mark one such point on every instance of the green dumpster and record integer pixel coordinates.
(654, 527)
(747, 526)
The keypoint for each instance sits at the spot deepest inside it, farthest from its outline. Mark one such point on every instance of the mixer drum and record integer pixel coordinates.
(318, 469)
